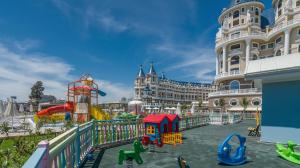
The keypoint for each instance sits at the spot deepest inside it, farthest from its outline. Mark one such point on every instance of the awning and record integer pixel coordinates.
(239, 108)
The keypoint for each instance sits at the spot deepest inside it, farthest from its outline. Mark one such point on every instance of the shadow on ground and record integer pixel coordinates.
(200, 150)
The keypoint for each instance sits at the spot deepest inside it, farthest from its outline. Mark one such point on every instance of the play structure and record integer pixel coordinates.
(81, 104)
(162, 129)
(224, 151)
(182, 163)
(131, 155)
(254, 131)
(288, 153)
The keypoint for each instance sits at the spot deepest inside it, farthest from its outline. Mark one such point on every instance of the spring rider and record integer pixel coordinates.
(289, 152)
(224, 151)
(129, 156)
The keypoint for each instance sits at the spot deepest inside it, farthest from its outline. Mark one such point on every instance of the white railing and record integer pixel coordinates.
(271, 31)
(235, 92)
(227, 74)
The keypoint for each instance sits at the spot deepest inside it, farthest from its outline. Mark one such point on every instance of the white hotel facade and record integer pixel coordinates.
(246, 35)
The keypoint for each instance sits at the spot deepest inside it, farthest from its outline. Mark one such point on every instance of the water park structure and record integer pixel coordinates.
(81, 105)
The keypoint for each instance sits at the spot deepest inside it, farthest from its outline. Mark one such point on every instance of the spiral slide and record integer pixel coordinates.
(56, 109)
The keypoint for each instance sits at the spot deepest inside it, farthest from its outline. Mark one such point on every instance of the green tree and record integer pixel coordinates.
(4, 128)
(200, 103)
(222, 103)
(37, 91)
(245, 103)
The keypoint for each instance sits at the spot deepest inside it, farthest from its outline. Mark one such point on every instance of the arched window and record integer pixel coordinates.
(278, 53)
(257, 11)
(237, 1)
(279, 6)
(236, 14)
(233, 102)
(298, 3)
(234, 85)
(235, 60)
(254, 57)
(256, 101)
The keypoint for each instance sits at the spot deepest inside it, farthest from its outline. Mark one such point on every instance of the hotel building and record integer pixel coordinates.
(158, 90)
(246, 35)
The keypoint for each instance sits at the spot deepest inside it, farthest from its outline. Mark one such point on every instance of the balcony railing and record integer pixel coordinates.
(228, 74)
(270, 31)
(235, 92)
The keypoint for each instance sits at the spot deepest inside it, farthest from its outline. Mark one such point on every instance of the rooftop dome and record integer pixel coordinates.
(237, 2)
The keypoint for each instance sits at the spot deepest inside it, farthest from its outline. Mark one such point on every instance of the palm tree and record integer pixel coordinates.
(4, 128)
(222, 104)
(245, 103)
(200, 102)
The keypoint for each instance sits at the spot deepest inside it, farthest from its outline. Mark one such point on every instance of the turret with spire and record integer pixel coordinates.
(141, 73)
(152, 74)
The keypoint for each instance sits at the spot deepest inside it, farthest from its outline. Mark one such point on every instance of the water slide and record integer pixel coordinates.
(56, 109)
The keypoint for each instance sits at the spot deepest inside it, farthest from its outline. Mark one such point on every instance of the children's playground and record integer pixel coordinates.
(199, 149)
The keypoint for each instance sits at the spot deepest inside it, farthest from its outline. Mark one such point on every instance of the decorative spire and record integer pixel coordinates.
(152, 70)
(141, 73)
(163, 76)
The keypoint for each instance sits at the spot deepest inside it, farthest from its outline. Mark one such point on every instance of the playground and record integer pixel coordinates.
(200, 148)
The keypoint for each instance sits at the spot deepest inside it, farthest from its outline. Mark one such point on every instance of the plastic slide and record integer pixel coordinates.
(98, 114)
(56, 109)
(87, 88)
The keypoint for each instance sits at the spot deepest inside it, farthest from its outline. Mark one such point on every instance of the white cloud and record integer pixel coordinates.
(19, 71)
(194, 60)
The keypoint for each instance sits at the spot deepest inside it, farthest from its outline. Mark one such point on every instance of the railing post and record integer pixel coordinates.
(93, 133)
(78, 146)
(45, 162)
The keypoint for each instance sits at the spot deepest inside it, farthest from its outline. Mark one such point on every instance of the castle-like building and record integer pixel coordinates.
(245, 35)
(159, 90)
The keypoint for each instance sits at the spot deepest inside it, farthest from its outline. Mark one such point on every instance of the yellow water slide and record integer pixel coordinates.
(98, 114)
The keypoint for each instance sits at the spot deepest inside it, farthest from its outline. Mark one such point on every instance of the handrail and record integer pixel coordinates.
(71, 148)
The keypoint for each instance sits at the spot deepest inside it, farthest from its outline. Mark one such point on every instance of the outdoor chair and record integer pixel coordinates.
(254, 131)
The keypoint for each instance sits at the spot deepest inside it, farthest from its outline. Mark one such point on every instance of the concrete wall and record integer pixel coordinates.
(281, 112)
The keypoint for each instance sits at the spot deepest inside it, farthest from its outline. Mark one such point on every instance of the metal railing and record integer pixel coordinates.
(71, 148)
(227, 74)
(235, 92)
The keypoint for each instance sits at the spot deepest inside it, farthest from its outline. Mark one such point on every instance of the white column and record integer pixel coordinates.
(286, 42)
(217, 65)
(248, 50)
(224, 59)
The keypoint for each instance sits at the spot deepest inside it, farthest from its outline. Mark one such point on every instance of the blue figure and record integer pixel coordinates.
(225, 148)
(68, 116)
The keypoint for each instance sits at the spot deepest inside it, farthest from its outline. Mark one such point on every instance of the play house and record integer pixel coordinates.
(162, 129)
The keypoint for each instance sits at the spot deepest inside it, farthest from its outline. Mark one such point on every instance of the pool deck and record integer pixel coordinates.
(200, 150)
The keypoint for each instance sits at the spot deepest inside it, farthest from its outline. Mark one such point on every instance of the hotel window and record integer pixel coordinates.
(234, 85)
(256, 101)
(237, 1)
(298, 48)
(235, 46)
(278, 40)
(298, 3)
(235, 60)
(256, 11)
(243, 9)
(256, 20)
(271, 45)
(252, 8)
(150, 130)
(236, 14)
(298, 31)
(243, 21)
(229, 15)
(279, 8)
(233, 102)
(263, 47)
(216, 102)
(254, 45)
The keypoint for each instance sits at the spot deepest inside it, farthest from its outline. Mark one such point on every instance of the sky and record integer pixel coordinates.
(57, 41)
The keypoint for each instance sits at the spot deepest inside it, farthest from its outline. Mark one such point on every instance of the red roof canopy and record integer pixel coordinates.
(155, 118)
(172, 117)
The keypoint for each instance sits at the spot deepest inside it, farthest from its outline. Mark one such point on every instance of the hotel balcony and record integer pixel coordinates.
(237, 92)
(265, 34)
(229, 75)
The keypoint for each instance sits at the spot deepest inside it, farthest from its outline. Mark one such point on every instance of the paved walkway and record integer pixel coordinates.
(200, 150)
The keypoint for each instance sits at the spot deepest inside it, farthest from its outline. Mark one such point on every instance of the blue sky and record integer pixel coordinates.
(57, 41)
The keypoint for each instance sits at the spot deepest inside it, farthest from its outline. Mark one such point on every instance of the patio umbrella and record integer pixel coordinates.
(178, 109)
(21, 108)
